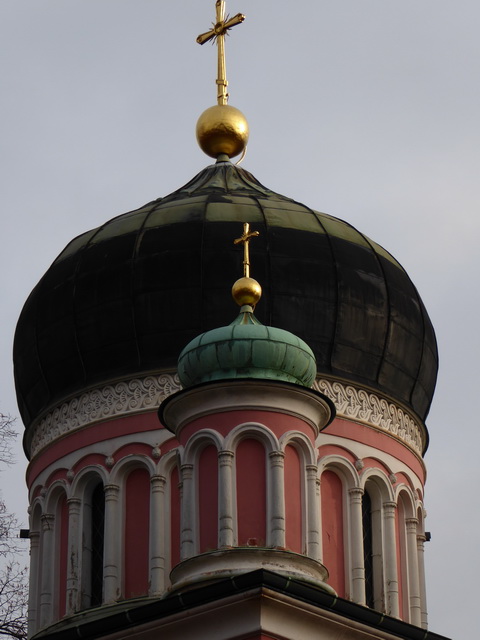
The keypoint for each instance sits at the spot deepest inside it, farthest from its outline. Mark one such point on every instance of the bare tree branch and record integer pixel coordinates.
(7, 437)
(13, 576)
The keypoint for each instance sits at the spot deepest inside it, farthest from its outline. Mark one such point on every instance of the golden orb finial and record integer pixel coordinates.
(222, 129)
(246, 290)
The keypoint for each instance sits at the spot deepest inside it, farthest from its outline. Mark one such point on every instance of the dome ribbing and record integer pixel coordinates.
(122, 300)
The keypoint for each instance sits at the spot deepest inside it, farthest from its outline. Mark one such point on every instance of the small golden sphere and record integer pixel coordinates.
(246, 291)
(222, 129)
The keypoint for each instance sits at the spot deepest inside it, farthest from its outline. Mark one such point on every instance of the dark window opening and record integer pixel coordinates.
(98, 539)
(368, 548)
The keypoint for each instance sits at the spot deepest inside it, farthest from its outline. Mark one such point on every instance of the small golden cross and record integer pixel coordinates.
(220, 29)
(245, 240)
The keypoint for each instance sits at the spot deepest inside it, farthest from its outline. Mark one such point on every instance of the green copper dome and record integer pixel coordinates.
(247, 349)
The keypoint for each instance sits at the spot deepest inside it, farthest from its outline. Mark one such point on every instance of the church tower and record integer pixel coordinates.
(207, 468)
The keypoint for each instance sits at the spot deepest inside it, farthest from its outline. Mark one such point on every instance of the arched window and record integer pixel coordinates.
(61, 543)
(98, 540)
(368, 548)
(93, 545)
(373, 555)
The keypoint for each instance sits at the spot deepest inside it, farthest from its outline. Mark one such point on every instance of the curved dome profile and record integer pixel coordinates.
(124, 299)
(247, 349)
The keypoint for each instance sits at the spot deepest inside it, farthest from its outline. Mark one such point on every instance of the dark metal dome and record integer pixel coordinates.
(124, 299)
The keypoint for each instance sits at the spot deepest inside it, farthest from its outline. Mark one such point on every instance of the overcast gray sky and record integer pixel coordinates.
(365, 109)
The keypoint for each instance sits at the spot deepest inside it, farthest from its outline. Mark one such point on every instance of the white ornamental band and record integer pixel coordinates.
(375, 411)
(145, 394)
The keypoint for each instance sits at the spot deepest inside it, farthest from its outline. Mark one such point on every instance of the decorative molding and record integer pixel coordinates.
(112, 401)
(373, 410)
(145, 394)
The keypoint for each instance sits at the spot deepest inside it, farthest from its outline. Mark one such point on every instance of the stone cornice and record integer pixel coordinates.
(111, 401)
(356, 403)
(145, 394)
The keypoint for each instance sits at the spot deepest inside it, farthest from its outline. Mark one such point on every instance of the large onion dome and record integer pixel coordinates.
(122, 300)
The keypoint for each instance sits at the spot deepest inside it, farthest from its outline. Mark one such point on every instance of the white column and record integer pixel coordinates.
(33, 584)
(276, 529)
(157, 536)
(421, 572)
(413, 576)
(73, 575)
(313, 509)
(225, 506)
(390, 555)
(112, 537)
(48, 562)
(356, 537)
(320, 521)
(187, 533)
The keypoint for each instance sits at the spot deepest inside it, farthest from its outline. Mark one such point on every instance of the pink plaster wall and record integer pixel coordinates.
(332, 530)
(59, 474)
(89, 459)
(208, 498)
(174, 518)
(88, 436)
(278, 423)
(137, 533)
(251, 493)
(293, 500)
(133, 448)
(381, 441)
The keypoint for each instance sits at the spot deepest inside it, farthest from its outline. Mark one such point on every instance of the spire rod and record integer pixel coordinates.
(245, 240)
(222, 130)
(218, 33)
(246, 291)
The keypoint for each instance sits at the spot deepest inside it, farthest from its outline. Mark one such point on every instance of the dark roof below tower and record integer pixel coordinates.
(146, 616)
(122, 300)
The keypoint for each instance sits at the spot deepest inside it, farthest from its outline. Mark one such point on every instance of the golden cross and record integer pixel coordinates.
(220, 29)
(245, 240)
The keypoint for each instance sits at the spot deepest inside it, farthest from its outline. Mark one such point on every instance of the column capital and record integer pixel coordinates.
(389, 504)
(111, 491)
(47, 521)
(158, 482)
(356, 493)
(186, 470)
(389, 509)
(225, 458)
(277, 457)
